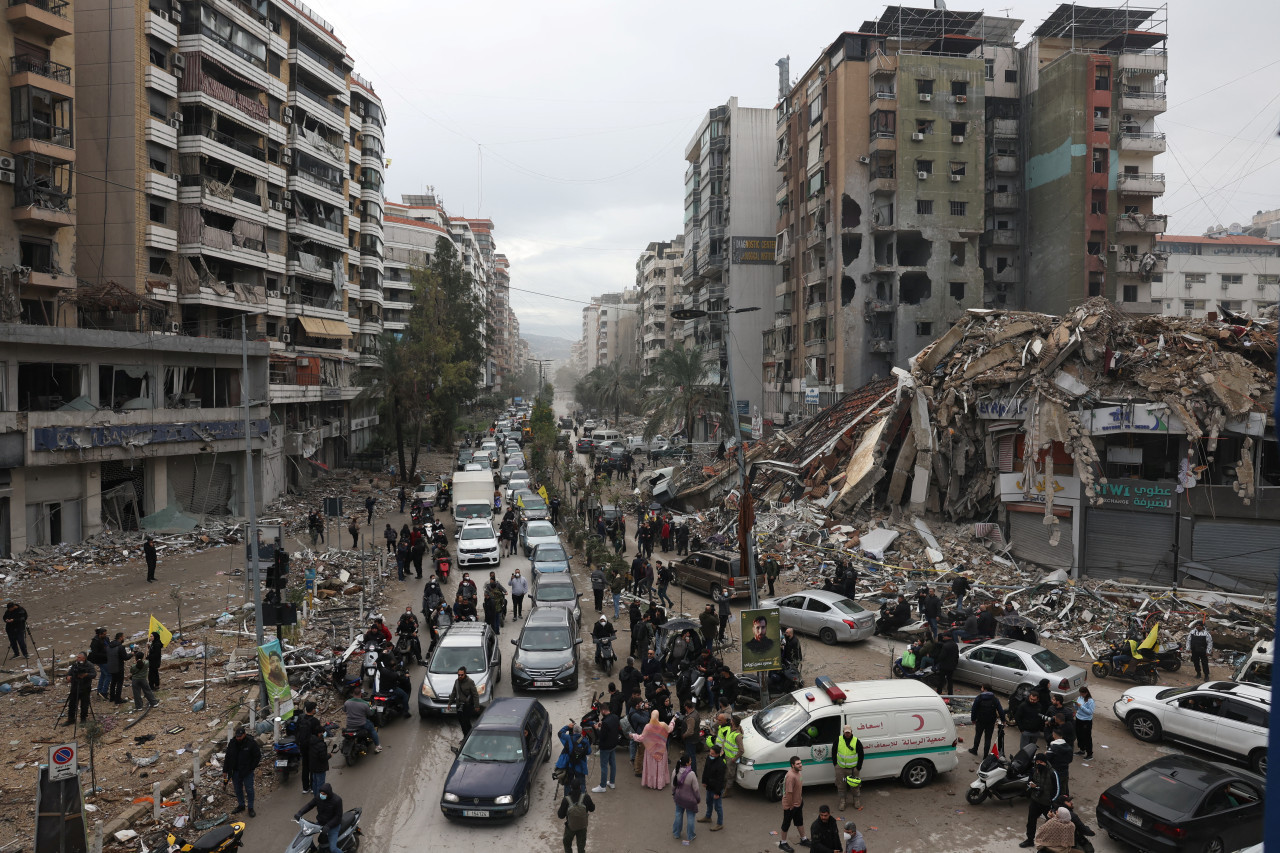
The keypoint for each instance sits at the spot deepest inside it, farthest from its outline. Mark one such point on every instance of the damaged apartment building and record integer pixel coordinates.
(1096, 442)
(927, 164)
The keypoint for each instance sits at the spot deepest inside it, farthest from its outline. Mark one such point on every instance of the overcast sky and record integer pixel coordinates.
(565, 122)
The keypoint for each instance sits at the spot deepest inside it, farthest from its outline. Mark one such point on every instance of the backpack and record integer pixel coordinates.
(624, 724)
(576, 815)
(578, 754)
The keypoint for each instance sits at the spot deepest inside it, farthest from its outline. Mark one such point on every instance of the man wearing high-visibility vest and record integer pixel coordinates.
(728, 738)
(847, 757)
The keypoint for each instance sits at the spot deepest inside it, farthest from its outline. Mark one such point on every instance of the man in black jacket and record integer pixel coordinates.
(948, 659)
(98, 657)
(1030, 719)
(932, 611)
(987, 621)
(80, 679)
(242, 758)
(986, 709)
(714, 778)
(629, 678)
(1044, 791)
(15, 625)
(149, 551)
(308, 726)
(824, 834)
(608, 737)
(328, 806)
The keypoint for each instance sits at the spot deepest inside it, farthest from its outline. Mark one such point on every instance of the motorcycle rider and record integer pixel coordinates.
(357, 709)
(378, 632)
(408, 627)
(328, 806)
(467, 587)
(601, 630)
(892, 620)
(464, 609)
(432, 595)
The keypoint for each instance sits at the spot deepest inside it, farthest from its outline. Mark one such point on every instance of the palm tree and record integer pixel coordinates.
(679, 388)
(612, 385)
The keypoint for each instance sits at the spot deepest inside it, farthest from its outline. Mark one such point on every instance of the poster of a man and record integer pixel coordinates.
(271, 662)
(762, 649)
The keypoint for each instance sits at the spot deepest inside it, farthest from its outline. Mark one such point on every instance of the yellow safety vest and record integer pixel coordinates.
(846, 754)
(731, 746)
(718, 739)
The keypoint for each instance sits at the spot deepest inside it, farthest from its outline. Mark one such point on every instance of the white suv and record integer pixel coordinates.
(478, 544)
(1222, 717)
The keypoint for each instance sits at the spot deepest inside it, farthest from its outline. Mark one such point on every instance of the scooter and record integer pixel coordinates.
(443, 564)
(1143, 671)
(780, 681)
(356, 744)
(927, 675)
(342, 681)
(288, 754)
(312, 838)
(1169, 658)
(606, 657)
(1001, 777)
(220, 839)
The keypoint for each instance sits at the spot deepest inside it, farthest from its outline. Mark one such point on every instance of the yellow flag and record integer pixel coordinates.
(165, 635)
(542, 490)
(1152, 638)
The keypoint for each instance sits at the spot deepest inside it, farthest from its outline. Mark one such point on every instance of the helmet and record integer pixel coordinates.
(812, 731)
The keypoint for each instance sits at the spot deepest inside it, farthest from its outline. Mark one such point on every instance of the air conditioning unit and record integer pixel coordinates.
(176, 176)
(179, 60)
(1127, 117)
(1188, 285)
(955, 179)
(7, 176)
(275, 205)
(287, 195)
(286, 158)
(917, 137)
(360, 108)
(273, 294)
(287, 205)
(962, 99)
(175, 123)
(175, 328)
(1226, 286)
(926, 97)
(286, 115)
(922, 175)
(286, 338)
(1112, 247)
(287, 291)
(6, 163)
(864, 159)
(1262, 287)
(176, 115)
(958, 138)
(162, 14)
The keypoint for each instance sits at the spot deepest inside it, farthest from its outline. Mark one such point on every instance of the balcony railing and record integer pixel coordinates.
(232, 142)
(230, 45)
(43, 67)
(53, 7)
(332, 65)
(318, 98)
(43, 131)
(335, 227)
(320, 180)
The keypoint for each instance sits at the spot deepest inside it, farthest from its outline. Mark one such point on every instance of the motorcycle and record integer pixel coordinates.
(780, 681)
(342, 681)
(606, 657)
(1001, 777)
(312, 838)
(356, 744)
(443, 564)
(927, 675)
(288, 753)
(886, 627)
(1141, 671)
(405, 647)
(1169, 658)
(220, 839)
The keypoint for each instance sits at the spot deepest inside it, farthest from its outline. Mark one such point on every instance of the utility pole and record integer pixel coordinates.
(254, 569)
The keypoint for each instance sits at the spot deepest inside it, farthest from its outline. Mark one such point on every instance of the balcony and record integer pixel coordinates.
(1141, 308)
(162, 81)
(1143, 63)
(162, 29)
(815, 310)
(883, 180)
(880, 306)
(1132, 265)
(323, 68)
(41, 206)
(1144, 102)
(882, 100)
(1004, 164)
(883, 64)
(883, 140)
(1004, 128)
(885, 345)
(324, 307)
(36, 136)
(1002, 237)
(47, 19)
(302, 263)
(1141, 183)
(43, 74)
(1008, 275)
(1139, 223)
(1148, 143)
(1003, 201)
(194, 86)
(317, 186)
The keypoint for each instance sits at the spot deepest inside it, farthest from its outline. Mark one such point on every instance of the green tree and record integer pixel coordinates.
(614, 387)
(679, 390)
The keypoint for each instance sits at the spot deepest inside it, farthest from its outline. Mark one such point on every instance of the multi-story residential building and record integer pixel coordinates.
(1094, 84)
(591, 335)
(728, 243)
(37, 231)
(413, 225)
(658, 271)
(1206, 276)
(879, 203)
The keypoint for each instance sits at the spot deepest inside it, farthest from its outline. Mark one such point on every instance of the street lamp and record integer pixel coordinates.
(694, 314)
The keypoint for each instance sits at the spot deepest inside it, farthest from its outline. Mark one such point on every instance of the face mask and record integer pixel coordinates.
(847, 836)
(326, 796)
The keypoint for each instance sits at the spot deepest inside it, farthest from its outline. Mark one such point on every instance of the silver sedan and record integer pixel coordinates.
(1008, 664)
(828, 615)
(535, 533)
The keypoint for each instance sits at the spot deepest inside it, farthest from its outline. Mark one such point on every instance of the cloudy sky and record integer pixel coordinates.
(565, 122)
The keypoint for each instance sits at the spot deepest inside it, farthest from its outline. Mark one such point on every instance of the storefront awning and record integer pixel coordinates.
(319, 328)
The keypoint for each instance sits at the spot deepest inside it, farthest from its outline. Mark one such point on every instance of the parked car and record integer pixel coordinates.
(710, 571)
(546, 655)
(507, 469)
(1223, 717)
(549, 558)
(1182, 803)
(1009, 664)
(829, 616)
(585, 445)
(1256, 666)
(478, 544)
(469, 644)
(426, 492)
(492, 777)
(556, 590)
(534, 533)
(635, 442)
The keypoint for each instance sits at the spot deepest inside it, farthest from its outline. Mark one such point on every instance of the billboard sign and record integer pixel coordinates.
(762, 639)
(752, 250)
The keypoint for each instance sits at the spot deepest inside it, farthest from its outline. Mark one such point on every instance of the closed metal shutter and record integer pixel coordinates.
(1246, 551)
(202, 488)
(1137, 545)
(1029, 538)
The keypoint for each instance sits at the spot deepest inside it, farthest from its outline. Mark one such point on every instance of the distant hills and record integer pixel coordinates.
(546, 346)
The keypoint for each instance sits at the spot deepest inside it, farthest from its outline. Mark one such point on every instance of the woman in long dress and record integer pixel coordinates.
(654, 739)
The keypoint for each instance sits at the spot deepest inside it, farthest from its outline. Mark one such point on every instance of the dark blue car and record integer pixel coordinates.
(492, 777)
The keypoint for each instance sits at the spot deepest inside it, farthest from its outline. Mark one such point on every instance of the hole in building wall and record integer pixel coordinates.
(914, 288)
(846, 289)
(884, 250)
(913, 249)
(958, 248)
(850, 247)
(957, 291)
(882, 290)
(850, 212)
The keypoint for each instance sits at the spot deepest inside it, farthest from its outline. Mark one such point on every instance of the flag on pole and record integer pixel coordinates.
(542, 491)
(1152, 637)
(165, 635)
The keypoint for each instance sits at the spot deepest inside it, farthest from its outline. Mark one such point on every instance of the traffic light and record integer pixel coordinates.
(278, 571)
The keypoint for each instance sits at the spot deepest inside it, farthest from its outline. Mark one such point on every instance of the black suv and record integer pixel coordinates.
(546, 655)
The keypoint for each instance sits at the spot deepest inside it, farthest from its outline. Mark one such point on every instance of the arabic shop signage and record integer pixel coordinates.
(1066, 490)
(1137, 417)
(752, 250)
(1002, 408)
(1138, 495)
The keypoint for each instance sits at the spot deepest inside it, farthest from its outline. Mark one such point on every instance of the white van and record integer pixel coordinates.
(905, 728)
(605, 437)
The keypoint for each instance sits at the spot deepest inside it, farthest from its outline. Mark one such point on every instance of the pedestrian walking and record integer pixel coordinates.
(315, 526)
(154, 654)
(714, 779)
(792, 805)
(847, 756)
(708, 623)
(687, 794)
(824, 835)
(391, 537)
(15, 626)
(417, 552)
(369, 504)
(654, 740)
(1200, 646)
(403, 496)
(318, 752)
(575, 808)
(117, 651)
(960, 589)
(665, 577)
(771, 571)
(466, 699)
(1084, 724)
(354, 529)
(617, 584)
(597, 588)
(149, 551)
(947, 660)
(984, 712)
(308, 727)
(242, 758)
(80, 682)
(138, 681)
(1043, 792)
(853, 840)
(1030, 719)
